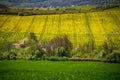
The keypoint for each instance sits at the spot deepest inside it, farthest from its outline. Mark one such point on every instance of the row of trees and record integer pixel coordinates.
(58, 48)
(31, 48)
(104, 7)
(36, 11)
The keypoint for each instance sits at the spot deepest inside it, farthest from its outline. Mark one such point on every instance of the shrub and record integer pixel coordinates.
(13, 56)
(82, 55)
(8, 56)
(102, 54)
(1, 56)
(44, 56)
(114, 56)
(20, 14)
(31, 57)
(78, 55)
(63, 58)
(95, 52)
(55, 58)
(52, 58)
(61, 52)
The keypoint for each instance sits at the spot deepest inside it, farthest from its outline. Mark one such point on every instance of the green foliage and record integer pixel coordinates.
(114, 56)
(61, 52)
(8, 56)
(105, 46)
(20, 14)
(104, 7)
(95, 52)
(4, 56)
(102, 54)
(56, 58)
(39, 54)
(82, 55)
(13, 56)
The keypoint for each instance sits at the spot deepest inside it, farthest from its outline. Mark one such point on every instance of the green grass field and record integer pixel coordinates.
(47, 70)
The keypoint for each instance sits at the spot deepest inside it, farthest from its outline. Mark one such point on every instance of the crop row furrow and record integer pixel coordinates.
(74, 29)
(59, 24)
(30, 26)
(116, 20)
(14, 30)
(5, 21)
(44, 28)
(17, 29)
(108, 36)
(91, 36)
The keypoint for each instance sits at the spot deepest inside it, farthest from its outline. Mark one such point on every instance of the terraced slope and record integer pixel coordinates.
(81, 28)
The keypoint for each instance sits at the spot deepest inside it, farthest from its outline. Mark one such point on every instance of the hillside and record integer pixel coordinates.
(54, 3)
(80, 28)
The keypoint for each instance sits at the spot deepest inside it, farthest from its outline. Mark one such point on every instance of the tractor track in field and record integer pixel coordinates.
(22, 34)
(59, 24)
(11, 33)
(91, 39)
(107, 35)
(117, 23)
(30, 26)
(16, 25)
(74, 28)
(5, 21)
(44, 28)
(17, 30)
(50, 29)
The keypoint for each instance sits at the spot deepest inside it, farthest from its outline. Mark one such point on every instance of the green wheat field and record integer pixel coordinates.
(68, 70)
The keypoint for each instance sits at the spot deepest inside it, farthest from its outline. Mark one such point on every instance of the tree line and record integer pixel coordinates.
(59, 48)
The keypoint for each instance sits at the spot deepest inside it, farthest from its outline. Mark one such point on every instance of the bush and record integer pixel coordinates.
(61, 52)
(1, 56)
(8, 56)
(63, 58)
(82, 55)
(5, 56)
(20, 14)
(95, 52)
(55, 58)
(114, 56)
(102, 54)
(30, 57)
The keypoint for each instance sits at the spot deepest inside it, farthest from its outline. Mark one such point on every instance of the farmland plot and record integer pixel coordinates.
(93, 27)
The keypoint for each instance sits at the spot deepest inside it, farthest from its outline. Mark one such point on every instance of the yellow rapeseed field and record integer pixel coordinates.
(80, 28)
